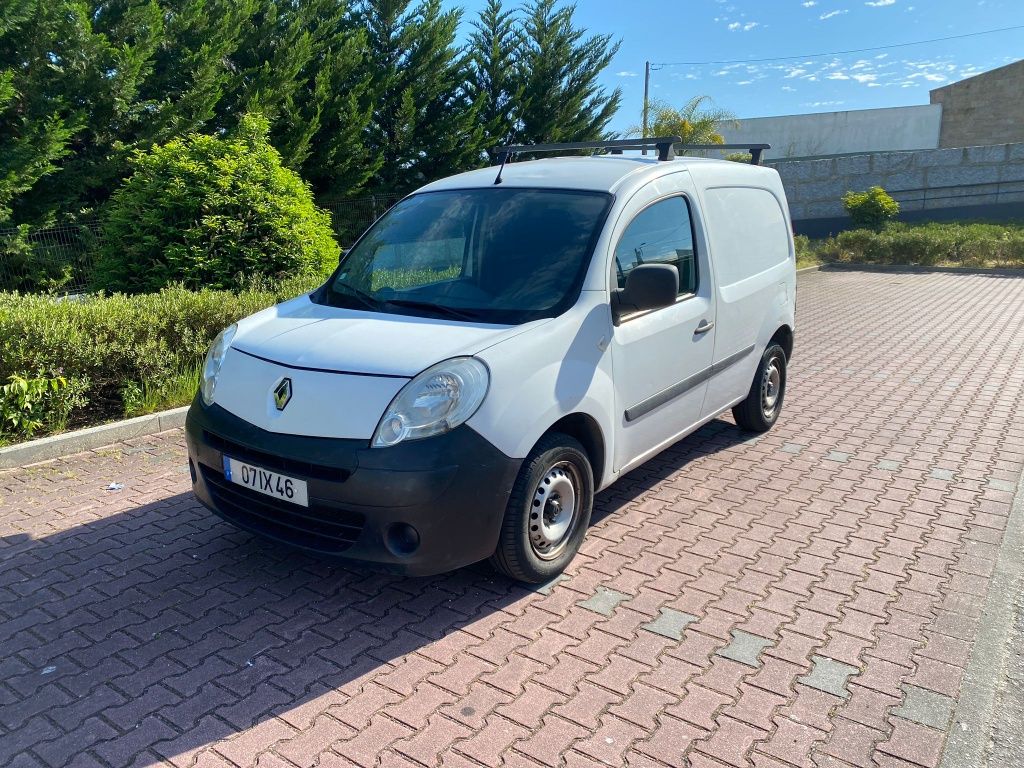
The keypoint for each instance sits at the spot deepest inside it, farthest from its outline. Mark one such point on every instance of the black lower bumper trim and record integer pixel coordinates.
(317, 528)
(450, 489)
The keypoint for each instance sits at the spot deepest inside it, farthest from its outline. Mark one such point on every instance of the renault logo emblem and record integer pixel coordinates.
(282, 394)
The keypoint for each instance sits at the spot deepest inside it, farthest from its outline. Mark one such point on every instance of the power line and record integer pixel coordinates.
(834, 53)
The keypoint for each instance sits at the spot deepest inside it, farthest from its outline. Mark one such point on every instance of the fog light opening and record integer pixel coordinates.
(402, 539)
(192, 470)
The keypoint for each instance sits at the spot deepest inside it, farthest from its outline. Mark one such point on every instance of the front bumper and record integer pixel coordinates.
(451, 489)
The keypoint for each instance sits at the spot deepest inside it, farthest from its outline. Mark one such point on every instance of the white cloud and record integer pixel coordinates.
(830, 14)
(880, 3)
(810, 3)
(744, 82)
(627, 73)
(789, 88)
(865, 78)
(749, 26)
(838, 76)
(734, 26)
(822, 103)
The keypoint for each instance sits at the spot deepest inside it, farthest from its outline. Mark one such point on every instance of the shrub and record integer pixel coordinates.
(740, 157)
(872, 208)
(206, 211)
(122, 354)
(804, 253)
(27, 405)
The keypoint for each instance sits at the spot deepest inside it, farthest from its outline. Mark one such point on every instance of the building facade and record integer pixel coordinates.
(982, 110)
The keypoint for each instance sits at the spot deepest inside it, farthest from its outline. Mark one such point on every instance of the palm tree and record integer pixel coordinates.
(694, 122)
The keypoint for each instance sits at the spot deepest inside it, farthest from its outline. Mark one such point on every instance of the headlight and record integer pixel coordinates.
(437, 401)
(214, 360)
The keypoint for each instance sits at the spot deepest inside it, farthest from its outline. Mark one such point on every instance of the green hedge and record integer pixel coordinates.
(121, 355)
(931, 244)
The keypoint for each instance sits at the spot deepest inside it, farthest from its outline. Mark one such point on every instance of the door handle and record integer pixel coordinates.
(704, 327)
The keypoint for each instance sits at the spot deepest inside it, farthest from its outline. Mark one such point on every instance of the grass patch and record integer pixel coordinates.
(176, 389)
(805, 253)
(934, 244)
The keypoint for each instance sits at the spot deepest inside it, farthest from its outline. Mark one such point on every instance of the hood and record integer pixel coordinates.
(303, 334)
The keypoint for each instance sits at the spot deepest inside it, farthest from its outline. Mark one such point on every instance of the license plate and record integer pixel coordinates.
(266, 482)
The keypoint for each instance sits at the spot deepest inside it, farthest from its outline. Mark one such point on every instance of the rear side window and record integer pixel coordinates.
(747, 230)
(660, 234)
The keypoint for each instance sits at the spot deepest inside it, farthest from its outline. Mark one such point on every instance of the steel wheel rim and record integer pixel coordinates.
(771, 387)
(554, 510)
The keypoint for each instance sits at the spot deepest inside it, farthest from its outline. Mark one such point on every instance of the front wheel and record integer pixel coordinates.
(761, 409)
(548, 511)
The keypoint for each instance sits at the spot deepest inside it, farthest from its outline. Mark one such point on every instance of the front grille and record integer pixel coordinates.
(270, 461)
(317, 527)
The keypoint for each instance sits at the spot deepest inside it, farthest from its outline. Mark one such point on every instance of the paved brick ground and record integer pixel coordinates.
(806, 598)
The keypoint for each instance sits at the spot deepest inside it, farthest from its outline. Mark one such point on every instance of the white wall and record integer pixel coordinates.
(838, 133)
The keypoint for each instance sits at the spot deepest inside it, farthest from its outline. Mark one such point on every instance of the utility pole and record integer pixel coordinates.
(647, 94)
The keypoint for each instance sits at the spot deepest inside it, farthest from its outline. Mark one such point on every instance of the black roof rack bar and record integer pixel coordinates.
(663, 144)
(755, 149)
(666, 146)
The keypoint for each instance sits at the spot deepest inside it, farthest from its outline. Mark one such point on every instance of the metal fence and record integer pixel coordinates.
(351, 216)
(61, 258)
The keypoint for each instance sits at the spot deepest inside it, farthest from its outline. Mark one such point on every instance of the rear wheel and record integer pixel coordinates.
(548, 511)
(761, 409)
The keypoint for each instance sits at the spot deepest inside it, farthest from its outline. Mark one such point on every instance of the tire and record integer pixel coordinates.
(761, 409)
(536, 544)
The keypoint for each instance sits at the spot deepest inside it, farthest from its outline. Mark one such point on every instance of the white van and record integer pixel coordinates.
(494, 350)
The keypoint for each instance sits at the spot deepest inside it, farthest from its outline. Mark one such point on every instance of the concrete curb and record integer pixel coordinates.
(913, 268)
(971, 730)
(815, 268)
(57, 446)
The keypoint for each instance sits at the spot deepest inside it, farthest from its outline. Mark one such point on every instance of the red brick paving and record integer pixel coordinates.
(137, 628)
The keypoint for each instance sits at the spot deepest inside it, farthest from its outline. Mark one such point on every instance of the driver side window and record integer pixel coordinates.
(660, 234)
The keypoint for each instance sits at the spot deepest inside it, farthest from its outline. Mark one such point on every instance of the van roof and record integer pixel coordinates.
(604, 173)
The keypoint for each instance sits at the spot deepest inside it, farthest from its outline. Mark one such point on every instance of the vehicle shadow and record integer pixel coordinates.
(714, 437)
(160, 630)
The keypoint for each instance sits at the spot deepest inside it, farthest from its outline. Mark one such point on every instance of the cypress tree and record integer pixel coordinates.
(559, 66)
(34, 135)
(302, 66)
(424, 124)
(496, 87)
(108, 77)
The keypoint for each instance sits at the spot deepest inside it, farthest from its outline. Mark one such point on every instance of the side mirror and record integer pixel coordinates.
(648, 286)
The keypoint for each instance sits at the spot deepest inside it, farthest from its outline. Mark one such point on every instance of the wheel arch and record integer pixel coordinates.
(783, 336)
(584, 428)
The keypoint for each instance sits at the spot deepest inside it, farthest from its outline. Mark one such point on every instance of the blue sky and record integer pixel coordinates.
(714, 30)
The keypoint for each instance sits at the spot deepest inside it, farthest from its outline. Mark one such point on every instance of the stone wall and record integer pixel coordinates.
(921, 180)
(984, 109)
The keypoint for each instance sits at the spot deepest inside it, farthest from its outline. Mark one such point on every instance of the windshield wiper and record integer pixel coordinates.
(367, 299)
(460, 314)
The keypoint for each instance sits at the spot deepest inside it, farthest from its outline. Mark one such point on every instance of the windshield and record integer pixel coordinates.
(493, 255)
